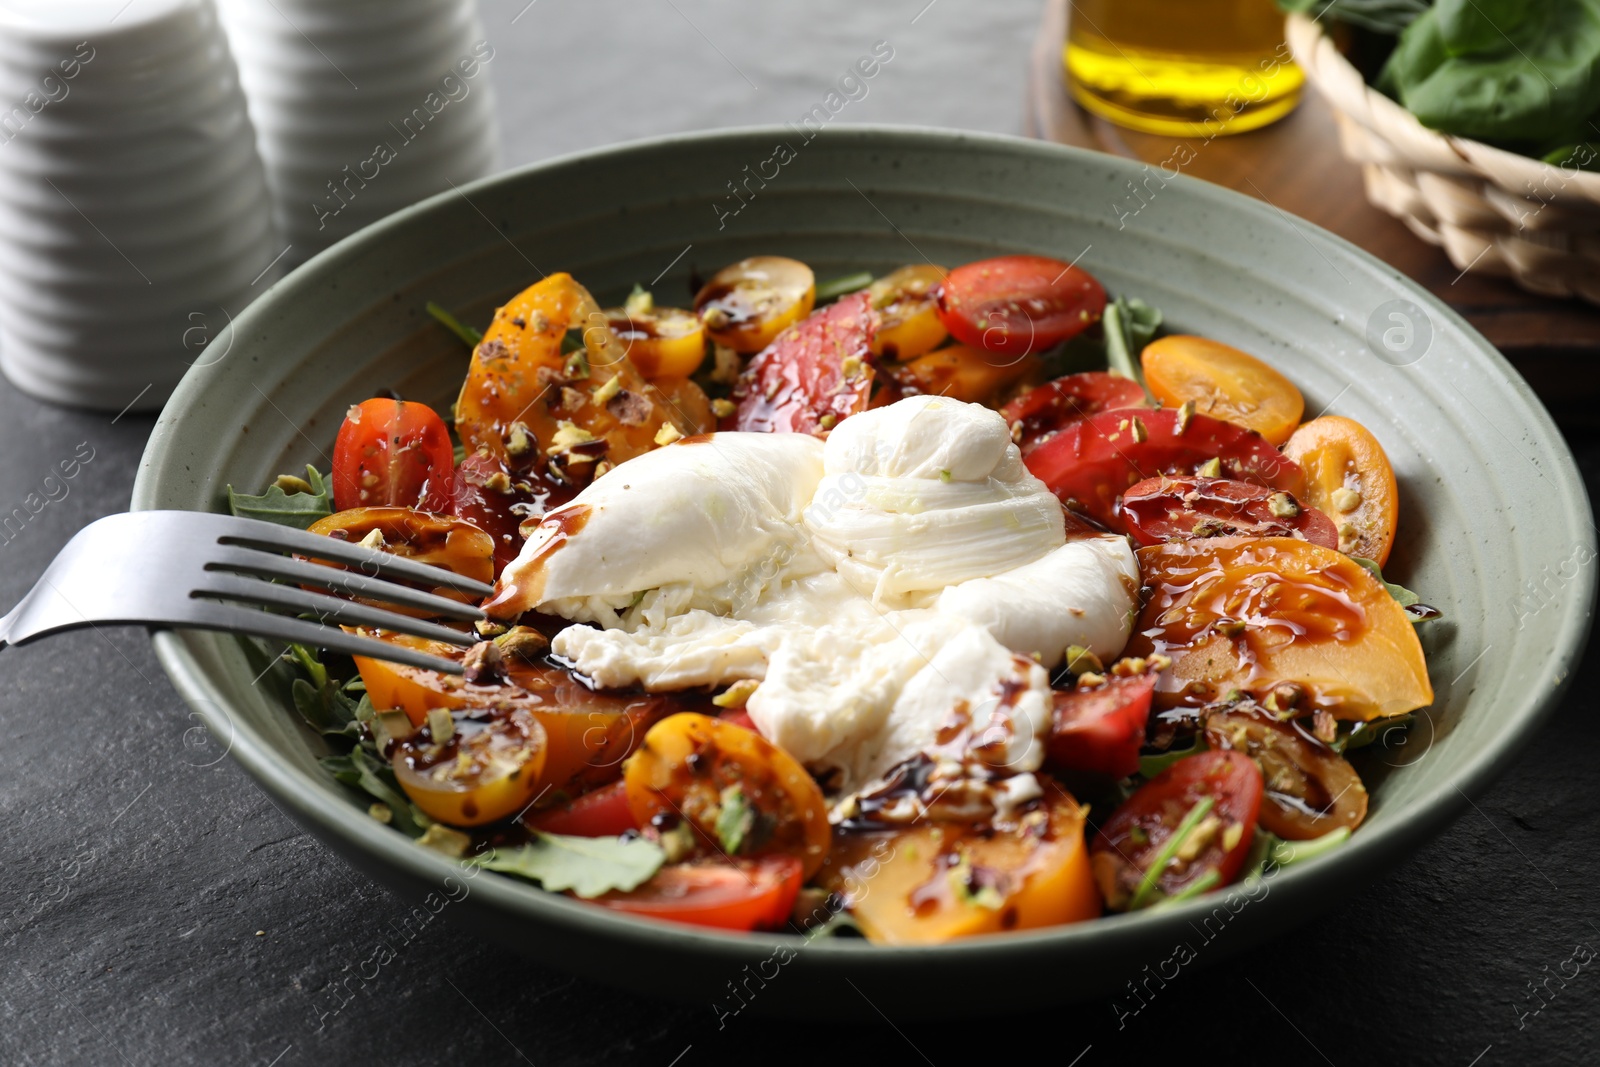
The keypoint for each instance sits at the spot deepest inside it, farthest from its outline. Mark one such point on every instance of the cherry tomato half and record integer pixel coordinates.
(1043, 412)
(1099, 729)
(1181, 509)
(748, 304)
(393, 453)
(1092, 462)
(486, 770)
(741, 793)
(662, 342)
(745, 895)
(1224, 383)
(1349, 476)
(602, 813)
(1019, 304)
(437, 540)
(1211, 798)
(813, 375)
(1311, 790)
(908, 310)
(964, 373)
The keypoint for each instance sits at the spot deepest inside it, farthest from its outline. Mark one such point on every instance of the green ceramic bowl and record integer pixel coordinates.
(1494, 527)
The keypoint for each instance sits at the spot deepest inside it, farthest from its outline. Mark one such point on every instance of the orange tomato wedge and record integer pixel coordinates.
(1224, 383)
(486, 770)
(965, 373)
(1249, 614)
(934, 883)
(1348, 477)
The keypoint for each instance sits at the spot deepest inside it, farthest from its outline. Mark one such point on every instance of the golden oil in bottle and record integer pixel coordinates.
(1185, 67)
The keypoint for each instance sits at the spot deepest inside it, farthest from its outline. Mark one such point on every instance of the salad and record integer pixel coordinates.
(912, 607)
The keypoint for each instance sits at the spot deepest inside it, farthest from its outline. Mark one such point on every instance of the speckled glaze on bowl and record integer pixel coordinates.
(1491, 498)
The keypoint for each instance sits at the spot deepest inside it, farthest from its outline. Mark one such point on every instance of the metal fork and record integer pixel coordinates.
(214, 572)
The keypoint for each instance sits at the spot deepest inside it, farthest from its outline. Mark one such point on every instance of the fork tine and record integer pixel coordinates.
(274, 538)
(302, 571)
(325, 607)
(235, 618)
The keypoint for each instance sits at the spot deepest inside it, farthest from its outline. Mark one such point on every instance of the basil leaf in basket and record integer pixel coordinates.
(289, 501)
(588, 866)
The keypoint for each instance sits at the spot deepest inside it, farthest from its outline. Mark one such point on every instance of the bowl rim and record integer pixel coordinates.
(1369, 852)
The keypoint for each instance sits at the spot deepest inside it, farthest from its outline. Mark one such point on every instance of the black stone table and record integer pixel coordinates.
(157, 909)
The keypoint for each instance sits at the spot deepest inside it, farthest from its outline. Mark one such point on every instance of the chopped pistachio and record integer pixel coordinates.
(568, 436)
(441, 838)
(524, 642)
(723, 408)
(1347, 536)
(291, 484)
(572, 399)
(725, 364)
(1232, 835)
(828, 420)
(539, 322)
(1211, 468)
(603, 467)
(1140, 434)
(678, 843)
(488, 628)
(391, 726)
(577, 364)
(1081, 659)
(441, 725)
(374, 539)
(1090, 678)
(1185, 413)
(1016, 432)
(716, 317)
(1229, 627)
(518, 439)
(736, 694)
(945, 475)
(639, 302)
(1196, 840)
(380, 811)
(668, 434)
(498, 482)
(850, 367)
(1346, 499)
(608, 390)
(1283, 505)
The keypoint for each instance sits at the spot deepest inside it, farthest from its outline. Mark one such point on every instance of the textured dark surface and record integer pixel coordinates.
(156, 908)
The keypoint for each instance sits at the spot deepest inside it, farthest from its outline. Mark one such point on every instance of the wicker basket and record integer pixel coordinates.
(1493, 212)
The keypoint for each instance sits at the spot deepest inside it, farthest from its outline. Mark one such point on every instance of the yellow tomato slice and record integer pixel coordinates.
(438, 540)
(747, 304)
(1224, 383)
(908, 310)
(485, 769)
(745, 796)
(1250, 614)
(661, 342)
(1348, 476)
(522, 391)
(935, 883)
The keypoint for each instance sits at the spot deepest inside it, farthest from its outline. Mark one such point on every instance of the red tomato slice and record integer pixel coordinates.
(602, 813)
(1092, 462)
(740, 717)
(1100, 730)
(393, 453)
(1181, 509)
(1213, 797)
(1043, 412)
(746, 895)
(814, 374)
(1019, 304)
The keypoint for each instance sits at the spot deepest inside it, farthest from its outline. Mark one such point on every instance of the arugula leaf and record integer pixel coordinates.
(1268, 848)
(1380, 16)
(837, 287)
(1129, 325)
(327, 706)
(299, 510)
(468, 335)
(1403, 596)
(365, 771)
(587, 866)
(1501, 70)
(1362, 734)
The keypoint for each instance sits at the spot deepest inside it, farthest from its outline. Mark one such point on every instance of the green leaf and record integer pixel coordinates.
(585, 866)
(1129, 325)
(837, 287)
(468, 335)
(1584, 155)
(365, 771)
(1267, 849)
(1501, 70)
(1150, 766)
(1360, 735)
(1403, 596)
(299, 510)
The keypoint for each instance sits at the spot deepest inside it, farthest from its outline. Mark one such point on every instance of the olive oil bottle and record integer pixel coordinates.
(1186, 67)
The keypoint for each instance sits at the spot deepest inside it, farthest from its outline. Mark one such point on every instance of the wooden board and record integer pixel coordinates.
(1296, 165)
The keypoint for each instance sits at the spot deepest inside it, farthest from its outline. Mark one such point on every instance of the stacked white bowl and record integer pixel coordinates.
(362, 107)
(133, 216)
